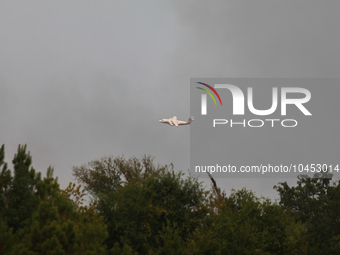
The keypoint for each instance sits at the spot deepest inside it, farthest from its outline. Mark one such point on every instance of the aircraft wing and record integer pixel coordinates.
(168, 121)
(174, 120)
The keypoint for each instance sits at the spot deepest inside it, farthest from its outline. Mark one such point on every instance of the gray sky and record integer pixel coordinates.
(83, 79)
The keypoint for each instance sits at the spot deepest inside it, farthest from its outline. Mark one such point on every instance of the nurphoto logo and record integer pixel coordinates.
(238, 104)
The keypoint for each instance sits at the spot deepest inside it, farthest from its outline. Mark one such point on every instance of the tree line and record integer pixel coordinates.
(138, 207)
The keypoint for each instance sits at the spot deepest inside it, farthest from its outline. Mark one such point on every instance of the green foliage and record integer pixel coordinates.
(245, 224)
(105, 176)
(139, 208)
(145, 198)
(136, 212)
(316, 203)
(44, 220)
(21, 198)
(153, 210)
(5, 181)
(126, 250)
(76, 195)
(58, 228)
(170, 241)
(7, 238)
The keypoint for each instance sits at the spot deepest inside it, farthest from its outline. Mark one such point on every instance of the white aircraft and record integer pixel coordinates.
(173, 121)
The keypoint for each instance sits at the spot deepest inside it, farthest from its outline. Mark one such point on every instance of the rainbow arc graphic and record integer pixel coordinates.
(204, 97)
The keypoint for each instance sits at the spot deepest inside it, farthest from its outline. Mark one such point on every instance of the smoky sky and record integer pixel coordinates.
(80, 80)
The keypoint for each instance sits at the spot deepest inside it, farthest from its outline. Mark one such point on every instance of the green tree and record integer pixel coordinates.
(5, 181)
(105, 176)
(7, 238)
(57, 227)
(21, 198)
(245, 224)
(142, 199)
(170, 241)
(36, 217)
(316, 203)
(77, 196)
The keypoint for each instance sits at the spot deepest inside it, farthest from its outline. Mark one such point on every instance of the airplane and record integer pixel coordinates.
(173, 121)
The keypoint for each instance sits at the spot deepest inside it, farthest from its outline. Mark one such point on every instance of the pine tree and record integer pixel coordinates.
(5, 180)
(22, 200)
(58, 227)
